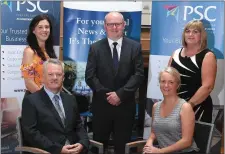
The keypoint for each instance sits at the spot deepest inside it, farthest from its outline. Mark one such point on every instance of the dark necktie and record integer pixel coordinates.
(115, 56)
(59, 109)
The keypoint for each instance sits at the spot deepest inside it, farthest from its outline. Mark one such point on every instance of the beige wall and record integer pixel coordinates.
(146, 13)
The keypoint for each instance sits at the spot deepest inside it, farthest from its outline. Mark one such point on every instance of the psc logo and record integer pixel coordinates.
(172, 10)
(27, 5)
(196, 12)
(7, 3)
(202, 11)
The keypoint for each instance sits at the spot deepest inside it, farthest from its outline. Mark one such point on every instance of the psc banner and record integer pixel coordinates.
(168, 21)
(15, 20)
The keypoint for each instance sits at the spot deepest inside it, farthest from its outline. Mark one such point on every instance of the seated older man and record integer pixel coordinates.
(50, 119)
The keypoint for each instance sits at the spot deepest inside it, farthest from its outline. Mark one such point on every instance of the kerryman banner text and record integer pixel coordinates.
(84, 25)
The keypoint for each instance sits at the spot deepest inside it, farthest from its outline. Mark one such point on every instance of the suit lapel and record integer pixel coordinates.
(123, 54)
(51, 107)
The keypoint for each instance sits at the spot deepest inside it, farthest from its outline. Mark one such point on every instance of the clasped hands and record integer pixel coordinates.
(113, 99)
(148, 148)
(72, 149)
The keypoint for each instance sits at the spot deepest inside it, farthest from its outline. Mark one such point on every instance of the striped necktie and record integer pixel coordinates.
(59, 109)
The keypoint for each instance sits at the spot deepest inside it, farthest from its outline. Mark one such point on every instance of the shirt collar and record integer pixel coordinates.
(118, 41)
(51, 94)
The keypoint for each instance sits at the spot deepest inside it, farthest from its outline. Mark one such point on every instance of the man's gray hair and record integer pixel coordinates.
(113, 12)
(52, 61)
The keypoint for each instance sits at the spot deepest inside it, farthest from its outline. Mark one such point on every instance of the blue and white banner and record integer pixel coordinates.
(15, 19)
(168, 21)
(84, 25)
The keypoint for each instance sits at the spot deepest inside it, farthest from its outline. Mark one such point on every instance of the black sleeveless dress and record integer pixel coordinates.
(190, 70)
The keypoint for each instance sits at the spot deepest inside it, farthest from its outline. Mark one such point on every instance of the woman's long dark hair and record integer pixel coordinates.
(32, 40)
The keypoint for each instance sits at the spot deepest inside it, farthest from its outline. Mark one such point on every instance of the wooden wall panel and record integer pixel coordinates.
(145, 42)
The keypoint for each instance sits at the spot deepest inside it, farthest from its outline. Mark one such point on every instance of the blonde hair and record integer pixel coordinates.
(198, 25)
(172, 71)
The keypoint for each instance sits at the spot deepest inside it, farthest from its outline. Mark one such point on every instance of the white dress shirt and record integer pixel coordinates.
(118, 46)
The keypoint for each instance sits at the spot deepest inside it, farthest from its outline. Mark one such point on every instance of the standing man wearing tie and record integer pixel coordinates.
(50, 119)
(114, 72)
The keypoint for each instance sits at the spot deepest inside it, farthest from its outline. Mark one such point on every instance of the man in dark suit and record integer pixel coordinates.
(50, 119)
(114, 72)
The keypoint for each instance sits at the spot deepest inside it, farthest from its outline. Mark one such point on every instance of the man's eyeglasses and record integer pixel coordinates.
(114, 24)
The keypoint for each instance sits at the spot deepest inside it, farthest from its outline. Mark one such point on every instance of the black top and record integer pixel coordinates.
(190, 69)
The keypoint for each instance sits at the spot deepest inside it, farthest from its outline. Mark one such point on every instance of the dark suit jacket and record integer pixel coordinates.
(101, 77)
(42, 126)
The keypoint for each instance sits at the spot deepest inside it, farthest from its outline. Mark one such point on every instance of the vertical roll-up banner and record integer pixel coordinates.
(84, 25)
(15, 20)
(168, 21)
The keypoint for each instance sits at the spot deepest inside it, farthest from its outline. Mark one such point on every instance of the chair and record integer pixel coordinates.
(85, 115)
(202, 135)
(20, 148)
(138, 144)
